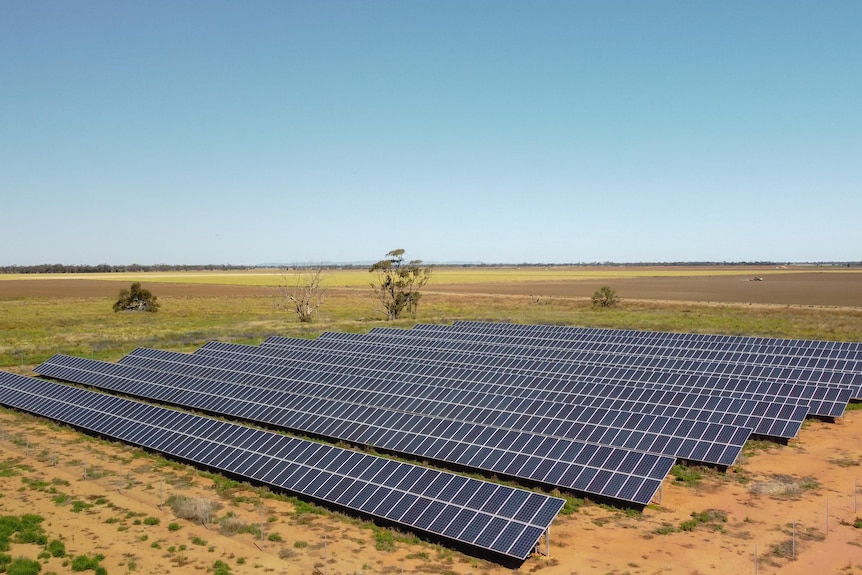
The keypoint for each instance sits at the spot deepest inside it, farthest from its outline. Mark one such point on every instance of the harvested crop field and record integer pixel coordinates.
(832, 287)
(796, 288)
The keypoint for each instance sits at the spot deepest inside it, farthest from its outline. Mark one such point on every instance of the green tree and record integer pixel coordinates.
(397, 284)
(605, 297)
(136, 299)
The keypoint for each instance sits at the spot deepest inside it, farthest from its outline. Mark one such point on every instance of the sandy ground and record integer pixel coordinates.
(759, 500)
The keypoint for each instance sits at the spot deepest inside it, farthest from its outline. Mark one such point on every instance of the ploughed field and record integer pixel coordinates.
(800, 286)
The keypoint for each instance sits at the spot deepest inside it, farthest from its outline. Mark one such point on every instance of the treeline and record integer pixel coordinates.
(108, 268)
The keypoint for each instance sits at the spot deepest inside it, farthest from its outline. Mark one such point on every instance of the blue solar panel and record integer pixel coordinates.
(570, 421)
(198, 440)
(382, 428)
(832, 405)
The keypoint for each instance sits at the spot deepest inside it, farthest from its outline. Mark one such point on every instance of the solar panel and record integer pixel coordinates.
(825, 356)
(716, 443)
(626, 475)
(772, 368)
(505, 520)
(769, 415)
(822, 399)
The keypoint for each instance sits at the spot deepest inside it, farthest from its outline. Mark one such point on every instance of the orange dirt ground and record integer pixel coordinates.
(761, 498)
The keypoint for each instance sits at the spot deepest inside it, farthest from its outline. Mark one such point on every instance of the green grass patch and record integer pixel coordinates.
(88, 563)
(689, 476)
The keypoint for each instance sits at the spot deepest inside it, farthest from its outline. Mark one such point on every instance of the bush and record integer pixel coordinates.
(605, 297)
(85, 563)
(136, 299)
(152, 521)
(173, 527)
(24, 566)
(56, 548)
(193, 509)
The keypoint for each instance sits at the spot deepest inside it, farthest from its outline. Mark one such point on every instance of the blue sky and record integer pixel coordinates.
(494, 131)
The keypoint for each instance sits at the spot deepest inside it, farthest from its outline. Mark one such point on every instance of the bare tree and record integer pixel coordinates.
(398, 283)
(302, 293)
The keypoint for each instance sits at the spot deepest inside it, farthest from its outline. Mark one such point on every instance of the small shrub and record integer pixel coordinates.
(605, 297)
(173, 527)
(56, 548)
(78, 506)
(274, 537)
(152, 521)
(85, 562)
(221, 568)
(686, 475)
(384, 540)
(24, 566)
(198, 541)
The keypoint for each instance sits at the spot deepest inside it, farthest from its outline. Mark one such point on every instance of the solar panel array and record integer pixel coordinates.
(501, 519)
(604, 413)
(810, 361)
(766, 413)
(598, 469)
(715, 443)
(822, 398)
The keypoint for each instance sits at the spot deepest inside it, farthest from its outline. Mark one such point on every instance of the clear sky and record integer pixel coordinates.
(498, 131)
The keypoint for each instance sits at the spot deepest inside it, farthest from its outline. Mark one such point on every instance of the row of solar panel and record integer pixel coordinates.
(498, 518)
(681, 438)
(844, 378)
(768, 419)
(664, 339)
(556, 380)
(614, 473)
(797, 358)
(654, 370)
(643, 345)
(464, 386)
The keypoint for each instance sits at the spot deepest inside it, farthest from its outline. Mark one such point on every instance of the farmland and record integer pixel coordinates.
(755, 504)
